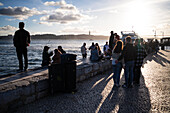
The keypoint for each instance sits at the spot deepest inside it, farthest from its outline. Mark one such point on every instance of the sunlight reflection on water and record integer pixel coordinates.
(9, 60)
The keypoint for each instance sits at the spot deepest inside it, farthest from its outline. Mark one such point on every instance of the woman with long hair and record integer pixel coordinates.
(117, 66)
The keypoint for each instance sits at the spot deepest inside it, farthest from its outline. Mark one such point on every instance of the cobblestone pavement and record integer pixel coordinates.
(97, 94)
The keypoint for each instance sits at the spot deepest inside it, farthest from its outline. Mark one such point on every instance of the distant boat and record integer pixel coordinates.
(129, 33)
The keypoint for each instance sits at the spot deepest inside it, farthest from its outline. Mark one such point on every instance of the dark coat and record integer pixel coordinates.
(128, 53)
(21, 38)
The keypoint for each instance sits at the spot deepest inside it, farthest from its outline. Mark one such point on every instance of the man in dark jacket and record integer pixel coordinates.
(21, 40)
(129, 55)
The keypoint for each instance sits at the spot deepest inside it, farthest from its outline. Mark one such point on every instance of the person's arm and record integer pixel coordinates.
(29, 39)
(14, 39)
(122, 54)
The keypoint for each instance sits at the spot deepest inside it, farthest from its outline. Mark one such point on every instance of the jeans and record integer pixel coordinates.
(129, 72)
(137, 72)
(118, 70)
(21, 51)
(114, 77)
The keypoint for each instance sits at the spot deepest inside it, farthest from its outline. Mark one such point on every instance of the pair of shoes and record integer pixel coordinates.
(20, 70)
(130, 86)
(117, 85)
(124, 86)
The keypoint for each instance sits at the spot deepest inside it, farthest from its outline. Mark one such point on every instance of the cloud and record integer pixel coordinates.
(8, 28)
(20, 13)
(1, 4)
(66, 13)
(46, 23)
(52, 3)
(34, 20)
(62, 18)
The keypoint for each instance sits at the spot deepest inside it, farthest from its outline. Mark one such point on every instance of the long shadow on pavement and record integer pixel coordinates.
(158, 58)
(128, 100)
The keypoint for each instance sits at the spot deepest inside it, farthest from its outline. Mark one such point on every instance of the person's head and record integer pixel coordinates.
(92, 43)
(136, 42)
(59, 47)
(84, 44)
(118, 47)
(46, 48)
(106, 43)
(21, 25)
(117, 37)
(56, 51)
(128, 39)
(111, 32)
(96, 44)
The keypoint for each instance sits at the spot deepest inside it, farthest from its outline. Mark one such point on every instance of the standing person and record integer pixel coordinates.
(21, 40)
(105, 48)
(129, 55)
(140, 55)
(61, 50)
(111, 39)
(46, 60)
(57, 57)
(84, 50)
(91, 48)
(117, 66)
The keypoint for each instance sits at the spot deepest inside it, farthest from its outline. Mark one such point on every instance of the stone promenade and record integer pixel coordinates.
(97, 94)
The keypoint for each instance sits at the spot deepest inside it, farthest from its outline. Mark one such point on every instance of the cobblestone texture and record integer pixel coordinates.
(97, 94)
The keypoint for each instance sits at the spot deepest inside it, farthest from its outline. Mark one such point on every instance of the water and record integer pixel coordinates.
(9, 61)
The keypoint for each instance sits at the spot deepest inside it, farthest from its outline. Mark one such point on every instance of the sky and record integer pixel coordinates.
(61, 17)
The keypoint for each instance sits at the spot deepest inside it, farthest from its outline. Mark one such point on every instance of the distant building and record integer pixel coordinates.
(89, 33)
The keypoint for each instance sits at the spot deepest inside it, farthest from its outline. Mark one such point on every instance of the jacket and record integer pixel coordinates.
(21, 38)
(128, 53)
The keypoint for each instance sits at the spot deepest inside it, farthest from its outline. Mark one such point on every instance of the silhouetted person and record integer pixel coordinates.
(111, 45)
(95, 54)
(61, 50)
(105, 48)
(57, 57)
(21, 40)
(46, 60)
(84, 50)
(91, 48)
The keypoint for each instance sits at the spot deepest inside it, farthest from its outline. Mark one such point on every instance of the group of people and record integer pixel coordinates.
(56, 59)
(96, 53)
(130, 57)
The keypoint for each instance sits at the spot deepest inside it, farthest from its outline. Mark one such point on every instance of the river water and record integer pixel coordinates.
(8, 57)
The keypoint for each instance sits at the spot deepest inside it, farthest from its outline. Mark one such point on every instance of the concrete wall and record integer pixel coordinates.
(28, 89)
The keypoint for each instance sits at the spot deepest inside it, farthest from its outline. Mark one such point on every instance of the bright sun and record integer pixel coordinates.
(138, 15)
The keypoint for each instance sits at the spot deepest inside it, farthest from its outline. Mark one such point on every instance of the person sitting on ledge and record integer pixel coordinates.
(57, 57)
(46, 56)
(61, 49)
(94, 55)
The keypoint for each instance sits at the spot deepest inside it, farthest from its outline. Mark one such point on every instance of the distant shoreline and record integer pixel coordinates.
(64, 37)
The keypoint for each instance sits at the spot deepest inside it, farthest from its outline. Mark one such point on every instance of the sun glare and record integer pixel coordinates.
(138, 15)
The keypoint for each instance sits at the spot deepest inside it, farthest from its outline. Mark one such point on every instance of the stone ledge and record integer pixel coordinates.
(35, 84)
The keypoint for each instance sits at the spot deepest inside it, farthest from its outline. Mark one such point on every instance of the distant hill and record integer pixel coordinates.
(52, 36)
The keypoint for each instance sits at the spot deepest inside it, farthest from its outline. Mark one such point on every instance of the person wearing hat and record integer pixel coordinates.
(21, 40)
(46, 60)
